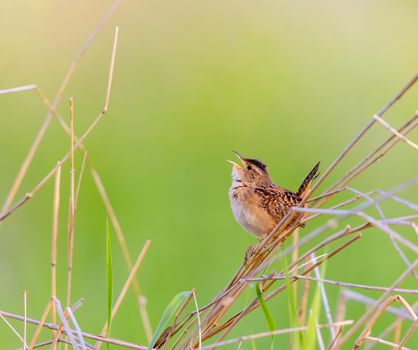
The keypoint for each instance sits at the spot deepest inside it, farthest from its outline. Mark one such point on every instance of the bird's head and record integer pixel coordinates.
(250, 170)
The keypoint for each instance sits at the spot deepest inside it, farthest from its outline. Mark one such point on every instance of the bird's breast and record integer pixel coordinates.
(247, 210)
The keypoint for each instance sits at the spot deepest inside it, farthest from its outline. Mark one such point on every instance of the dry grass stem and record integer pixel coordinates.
(373, 309)
(55, 216)
(125, 287)
(125, 251)
(13, 330)
(77, 328)
(71, 214)
(366, 332)
(191, 329)
(351, 295)
(29, 195)
(268, 334)
(56, 327)
(385, 342)
(28, 159)
(336, 283)
(40, 324)
(396, 133)
(25, 315)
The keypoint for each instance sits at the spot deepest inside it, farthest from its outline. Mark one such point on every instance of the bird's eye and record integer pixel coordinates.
(249, 167)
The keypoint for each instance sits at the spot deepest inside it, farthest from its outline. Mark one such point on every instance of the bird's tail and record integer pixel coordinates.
(306, 184)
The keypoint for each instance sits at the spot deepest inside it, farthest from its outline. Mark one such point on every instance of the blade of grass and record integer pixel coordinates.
(296, 337)
(267, 314)
(309, 339)
(169, 312)
(109, 279)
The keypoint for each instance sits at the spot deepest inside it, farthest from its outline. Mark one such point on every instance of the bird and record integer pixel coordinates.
(258, 204)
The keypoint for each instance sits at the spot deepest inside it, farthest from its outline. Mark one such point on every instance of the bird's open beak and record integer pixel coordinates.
(240, 158)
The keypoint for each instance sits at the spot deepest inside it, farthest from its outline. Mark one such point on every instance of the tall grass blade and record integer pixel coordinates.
(267, 314)
(109, 279)
(310, 334)
(169, 312)
(297, 337)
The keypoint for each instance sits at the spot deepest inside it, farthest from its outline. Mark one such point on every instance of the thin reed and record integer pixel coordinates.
(185, 325)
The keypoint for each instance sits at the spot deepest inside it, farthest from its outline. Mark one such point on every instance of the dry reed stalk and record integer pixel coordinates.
(80, 177)
(268, 334)
(56, 327)
(384, 305)
(366, 162)
(367, 301)
(386, 342)
(125, 288)
(228, 325)
(336, 283)
(29, 195)
(77, 329)
(396, 133)
(71, 215)
(13, 329)
(40, 324)
(141, 301)
(29, 157)
(55, 216)
(63, 325)
(397, 331)
(363, 131)
(373, 309)
(124, 248)
(325, 302)
(408, 333)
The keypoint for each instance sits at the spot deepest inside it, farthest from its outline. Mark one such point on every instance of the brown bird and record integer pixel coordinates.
(257, 202)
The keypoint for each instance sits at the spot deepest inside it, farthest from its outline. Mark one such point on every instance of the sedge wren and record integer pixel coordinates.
(257, 202)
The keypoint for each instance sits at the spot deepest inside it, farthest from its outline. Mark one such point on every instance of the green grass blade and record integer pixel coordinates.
(310, 333)
(297, 337)
(169, 312)
(109, 279)
(267, 314)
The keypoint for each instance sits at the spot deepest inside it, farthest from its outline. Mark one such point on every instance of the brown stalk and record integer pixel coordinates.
(268, 334)
(141, 301)
(369, 160)
(55, 215)
(125, 288)
(71, 215)
(40, 324)
(383, 306)
(83, 164)
(29, 195)
(385, 342)
(61, 327)
(366, 128)
(255, 303)
(125, 251)
(56, 327)
(336, 283)
(408, 333)
(373, 309)
(25, 315)
(396, 133)
(26, 163)
(397, 331)
(13, 329)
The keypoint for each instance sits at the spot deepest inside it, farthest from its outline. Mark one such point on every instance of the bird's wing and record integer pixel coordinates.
(277, 201)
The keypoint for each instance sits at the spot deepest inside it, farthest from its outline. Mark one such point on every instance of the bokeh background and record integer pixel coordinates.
(288, 82)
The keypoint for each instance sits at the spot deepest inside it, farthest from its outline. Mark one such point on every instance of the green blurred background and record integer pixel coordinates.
(288, 82)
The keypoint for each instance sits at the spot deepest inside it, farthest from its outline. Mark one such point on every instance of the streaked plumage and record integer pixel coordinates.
(257, 203)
